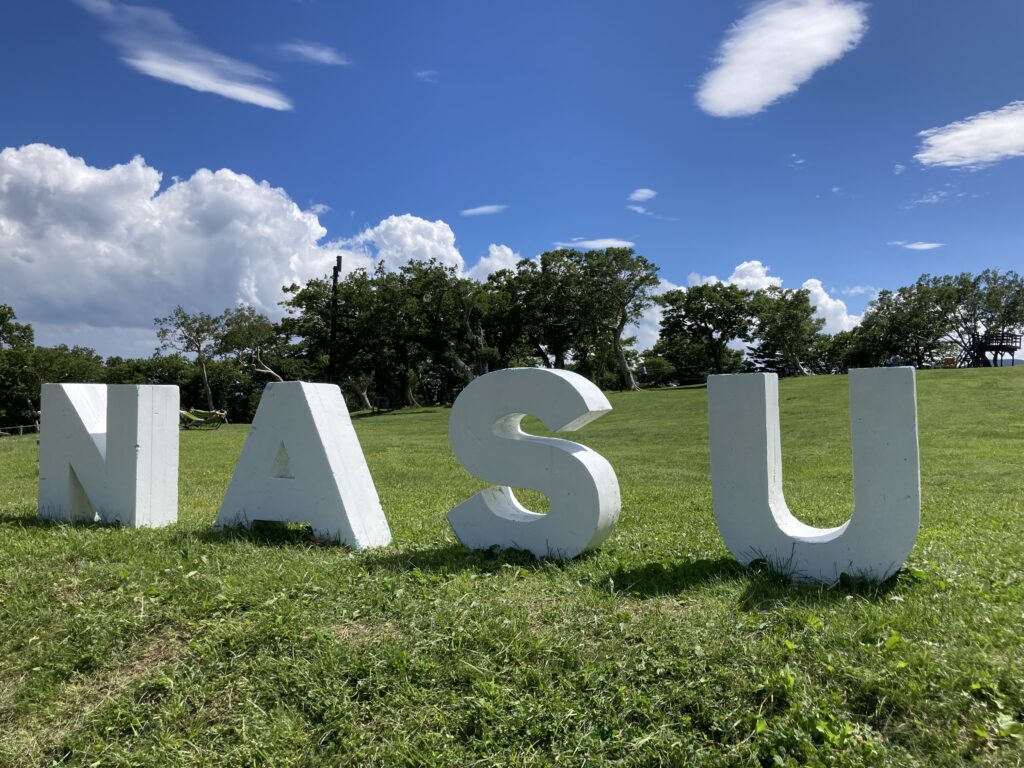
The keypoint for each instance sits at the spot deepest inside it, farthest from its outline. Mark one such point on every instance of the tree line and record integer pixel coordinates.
(417, 335)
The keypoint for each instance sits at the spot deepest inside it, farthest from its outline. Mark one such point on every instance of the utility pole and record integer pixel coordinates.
(334, 320)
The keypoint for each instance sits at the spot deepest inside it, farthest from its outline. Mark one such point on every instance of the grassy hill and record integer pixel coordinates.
(187, 646)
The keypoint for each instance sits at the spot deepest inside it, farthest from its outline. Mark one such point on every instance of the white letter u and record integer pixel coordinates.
(746, 478)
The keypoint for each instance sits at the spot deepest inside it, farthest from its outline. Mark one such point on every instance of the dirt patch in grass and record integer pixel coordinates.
(40, 734)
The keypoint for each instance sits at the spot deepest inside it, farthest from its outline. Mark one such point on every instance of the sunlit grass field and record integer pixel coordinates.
(188, 646)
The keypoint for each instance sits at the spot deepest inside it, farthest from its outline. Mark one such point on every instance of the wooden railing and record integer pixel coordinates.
(21, 429)
(1001, 340)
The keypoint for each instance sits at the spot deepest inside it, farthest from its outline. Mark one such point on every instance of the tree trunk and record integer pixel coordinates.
(717, 354)
(206, 386)
(625, 375)
(602, 364)
(545, 360)
(560, 360)
(361, 387)
(464, 370)
(410, 398)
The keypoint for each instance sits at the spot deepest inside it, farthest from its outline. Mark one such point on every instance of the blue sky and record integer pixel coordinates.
(781, 140)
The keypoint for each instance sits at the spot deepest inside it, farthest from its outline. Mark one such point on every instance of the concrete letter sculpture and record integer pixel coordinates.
(746, 477)
(109, 453)
(302, 462)
(486, 437)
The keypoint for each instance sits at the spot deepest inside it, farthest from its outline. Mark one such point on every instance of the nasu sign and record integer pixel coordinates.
(110, 453)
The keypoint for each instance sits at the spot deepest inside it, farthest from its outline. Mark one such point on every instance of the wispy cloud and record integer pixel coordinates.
(916, 246)
(642, 194)
(153, 43)
(426, 75)
(597, 244)
(898, 169)
(484, 210)
(319, 209)
(837, 190)
(948, 191)
(776, 48)
(795, 161)
(316, 53)
(858, 290)
(980, 140)
(639, 209)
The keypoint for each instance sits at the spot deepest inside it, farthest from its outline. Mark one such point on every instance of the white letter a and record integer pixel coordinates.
(302, 462)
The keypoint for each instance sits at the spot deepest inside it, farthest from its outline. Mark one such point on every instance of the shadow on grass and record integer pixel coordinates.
(264, 533)
(768, 588)
(32, 520)
(401, 412)
(764, 587)
(656, 579)
(455, 558)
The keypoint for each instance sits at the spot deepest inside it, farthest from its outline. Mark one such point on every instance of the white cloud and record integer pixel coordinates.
(484, 210)
(597, 244)
(153, 43)
(639, 209)
(498, 257)
(858, 290)
(642, 195)
(977, 141)
(833, 310)
(648, 327)
(319, 209)
(775, 49)
(426, 75)
(749, 275)
(84, 247)
(934, 196)
(753, 276)
(898, 169)
(795, 161)
(316, 53)
(918, 246)
(400, 239)
(836, 190)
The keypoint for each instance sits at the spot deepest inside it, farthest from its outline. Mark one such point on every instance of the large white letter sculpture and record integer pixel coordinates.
(109, 453)
(486, 437)
(302, 462)
(746, 478)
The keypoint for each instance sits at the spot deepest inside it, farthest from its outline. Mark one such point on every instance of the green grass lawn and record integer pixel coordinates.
(186, 646)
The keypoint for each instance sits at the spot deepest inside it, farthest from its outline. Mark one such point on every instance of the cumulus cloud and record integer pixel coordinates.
(977, 141)
(597, 243)
(105, 248)
(498, 257)
(315, 53)
(753, 276)
(153, 43)
(91, 255)
(399, 239)
(833, 310)
(484, 210)
(642, 195)
(776, 48)
(749, 275)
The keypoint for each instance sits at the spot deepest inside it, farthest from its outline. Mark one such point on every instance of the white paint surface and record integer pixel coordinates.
(302, 463)
(746, 475)
(580, 484)
(109, 453)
